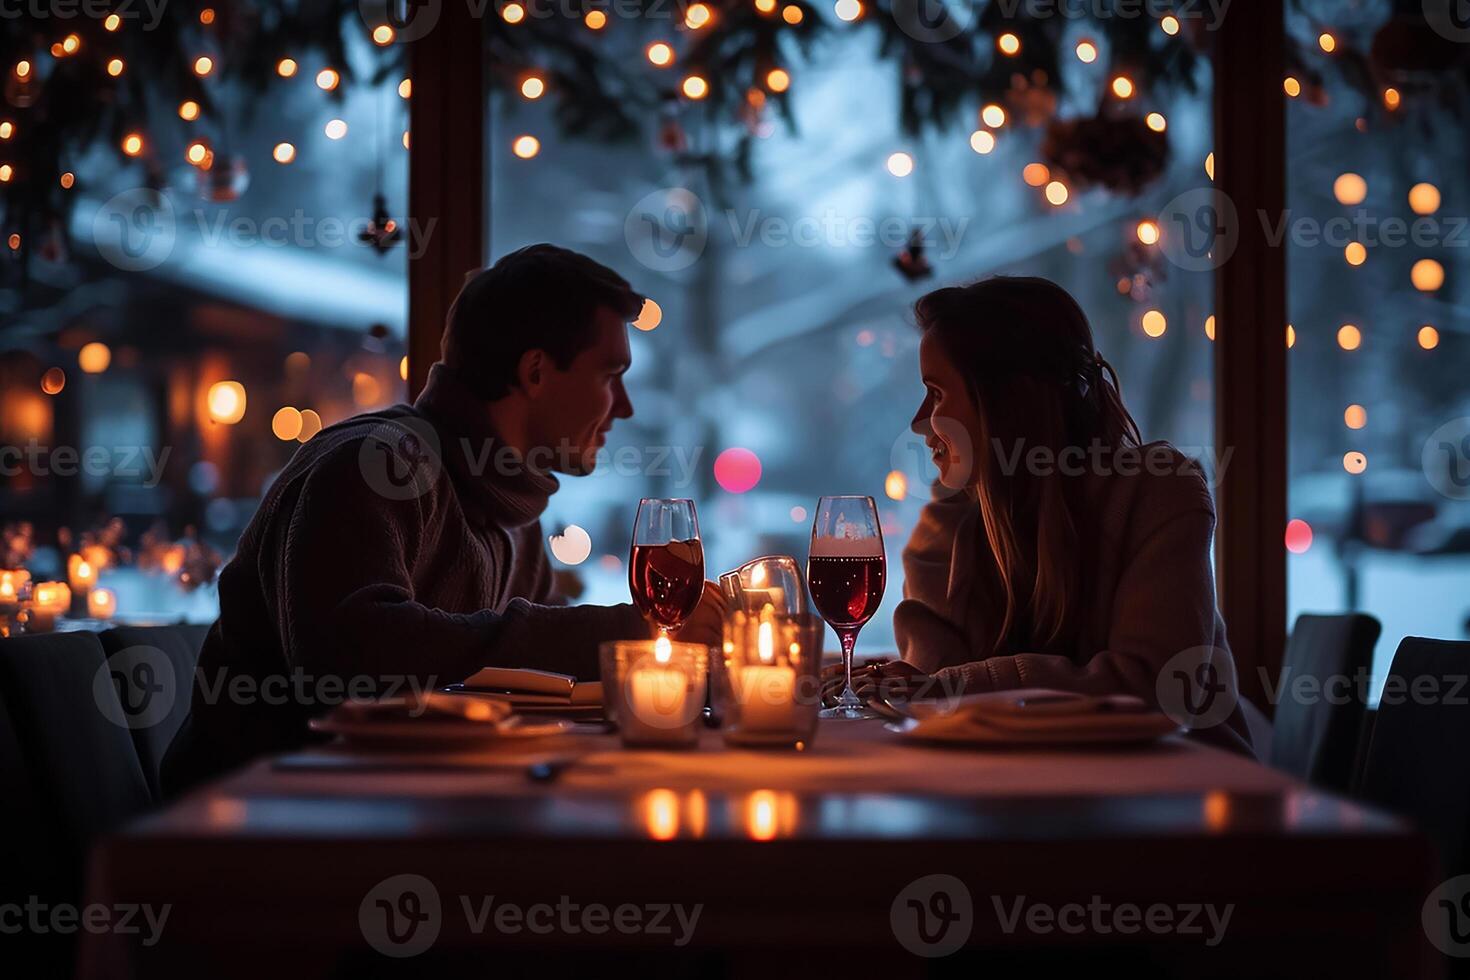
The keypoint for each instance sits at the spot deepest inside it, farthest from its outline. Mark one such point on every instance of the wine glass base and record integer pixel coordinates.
(848, 712)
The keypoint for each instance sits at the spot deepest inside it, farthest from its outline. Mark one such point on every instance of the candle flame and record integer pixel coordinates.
(7, 591)
(663, 650)
(764, 644)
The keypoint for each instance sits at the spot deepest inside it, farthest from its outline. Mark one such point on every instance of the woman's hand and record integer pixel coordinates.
(888, 679)
(706, 624)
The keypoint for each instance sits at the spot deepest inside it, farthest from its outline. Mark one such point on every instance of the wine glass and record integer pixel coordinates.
(772, 580)
(846, 569)
(666, 563)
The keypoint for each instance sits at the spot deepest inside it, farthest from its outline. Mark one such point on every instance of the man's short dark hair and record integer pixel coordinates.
(541, 297)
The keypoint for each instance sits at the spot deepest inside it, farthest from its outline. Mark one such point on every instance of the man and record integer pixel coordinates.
(403, 548)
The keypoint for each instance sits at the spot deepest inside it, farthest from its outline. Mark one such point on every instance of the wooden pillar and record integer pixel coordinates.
(1250, 352)
(448, 176)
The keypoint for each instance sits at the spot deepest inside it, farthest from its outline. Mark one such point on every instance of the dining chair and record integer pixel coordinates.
(1317, 725)
(153, 667)
(60, 698)
(1417, 765)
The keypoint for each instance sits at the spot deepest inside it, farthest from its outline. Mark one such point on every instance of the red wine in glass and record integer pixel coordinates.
(667, 580)
(666, 562)
(846, 570)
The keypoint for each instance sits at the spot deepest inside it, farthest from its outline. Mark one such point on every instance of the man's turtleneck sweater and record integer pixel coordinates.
(400, 548)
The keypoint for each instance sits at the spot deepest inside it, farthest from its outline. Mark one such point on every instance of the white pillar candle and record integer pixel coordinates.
(658, 699)
(766, 692)
(101, 604)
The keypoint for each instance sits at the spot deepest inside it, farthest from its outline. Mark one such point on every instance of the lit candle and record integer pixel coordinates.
(766, 691)
(48, 600)
(658, 699)
(80, 573)
(101, 604)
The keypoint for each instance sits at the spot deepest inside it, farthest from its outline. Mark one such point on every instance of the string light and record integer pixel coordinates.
(1424, 198)
(383, 35)
(198, 154)
(1148, 232)
(513, 13)
(286, 67)
(533, 87)
(1290, 336)
(765, 6)
(1428, 337)
(1355, 417)
(115, 67)
(848, 10)
(792, 14)
(71, 44)
(7, 129)
(1156, 121)
(1123, 87)
(896, 485)
(1356, 253)
(900, 164)
(695, 87)
(14, 242)
(1154, 324)
(112, 23)
(697, 16)
(1036, 174)
(1169, 24)
(650, 316)
(203, 65)
(1057, 193)
(1210, 326)
(336, 129)
(68, 180)
(226, 402)
(1354, 462)
(327, 79)
(660, 55)
(1391, 98)
(403, 368)
(206, 16)
(982, 141)
(993, 116)
(1350, 189)
(1210, 165)
(54, 379)
(132, 144)
(1086, 52)
(1292, 86)
(777, 80)
(311, 424)
(1298, 537)
(93, 358)
(189, 111)
(405, 139)
(595, 20)
(22, 69)
(526, 147)
(1009, 44)
(6, 172)
(284, 153)
(1349, 337)
(1427, 275)
(286, 423)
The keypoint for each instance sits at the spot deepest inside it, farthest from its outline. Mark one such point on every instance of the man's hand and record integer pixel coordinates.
(891, 679)
(706, 624)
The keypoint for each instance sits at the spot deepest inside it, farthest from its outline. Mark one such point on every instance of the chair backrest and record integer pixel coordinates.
(1323, 697)
(153, 667)
(1417, 764)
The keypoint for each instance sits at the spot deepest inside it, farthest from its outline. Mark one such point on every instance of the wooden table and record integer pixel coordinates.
(795, 860)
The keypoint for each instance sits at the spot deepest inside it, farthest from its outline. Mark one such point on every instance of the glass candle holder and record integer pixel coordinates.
(48, 600)
(768, 684)
(773, 580)
(654, 690)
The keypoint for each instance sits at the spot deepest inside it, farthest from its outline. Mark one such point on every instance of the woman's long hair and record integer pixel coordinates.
(1037, 379)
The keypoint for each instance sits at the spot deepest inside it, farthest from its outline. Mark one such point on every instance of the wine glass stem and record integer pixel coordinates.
(848, 639)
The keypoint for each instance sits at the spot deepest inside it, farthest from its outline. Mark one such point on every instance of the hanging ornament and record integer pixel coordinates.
(1408, 52)
(382, 232)
(1119, 153)
(911, 262)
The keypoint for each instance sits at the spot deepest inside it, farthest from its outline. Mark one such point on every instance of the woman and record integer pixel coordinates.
(1059, 551)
